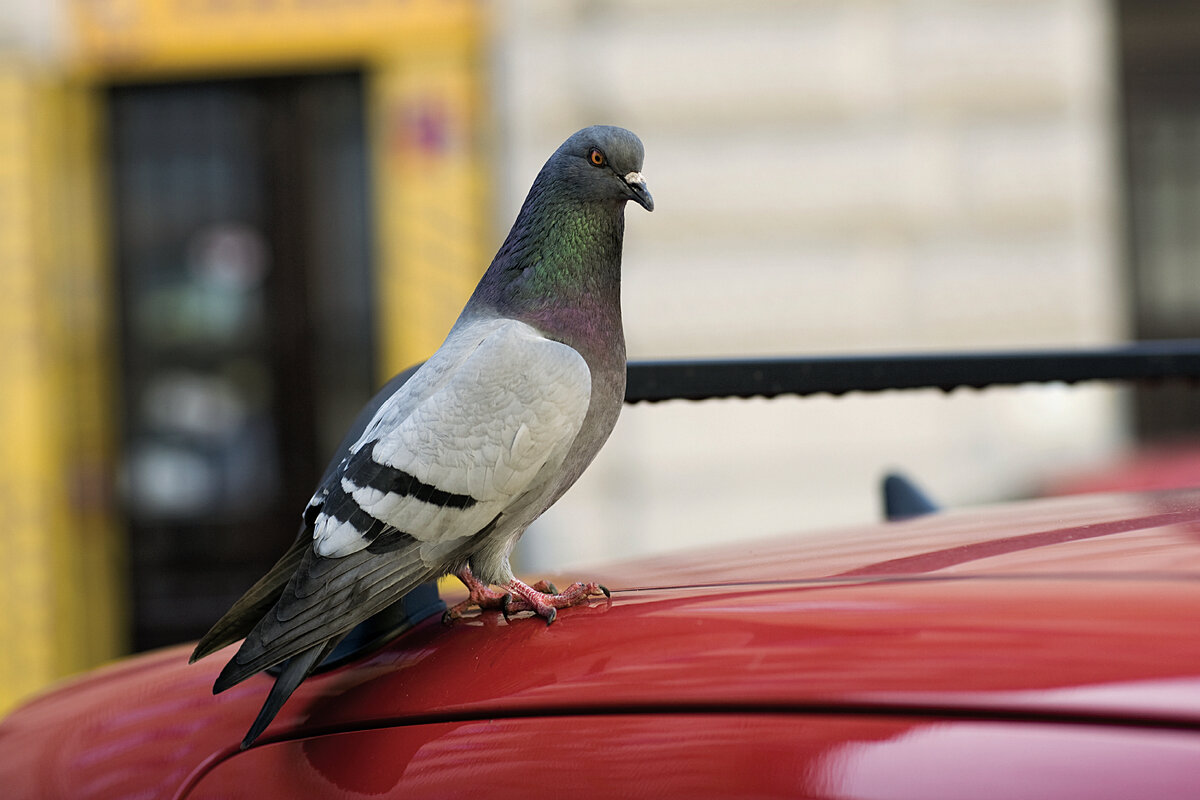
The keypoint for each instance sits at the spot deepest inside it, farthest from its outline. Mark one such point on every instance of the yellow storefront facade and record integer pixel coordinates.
(64, 581)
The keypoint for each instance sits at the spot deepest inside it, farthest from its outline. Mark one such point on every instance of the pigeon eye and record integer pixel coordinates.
(596, 157)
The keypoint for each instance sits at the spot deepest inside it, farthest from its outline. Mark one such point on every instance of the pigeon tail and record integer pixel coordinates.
(295, 670)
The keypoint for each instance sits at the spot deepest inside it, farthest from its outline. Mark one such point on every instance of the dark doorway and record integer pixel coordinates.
(241, 238)
(1160, 102)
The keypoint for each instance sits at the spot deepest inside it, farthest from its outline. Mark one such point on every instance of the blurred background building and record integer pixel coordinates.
(223, 224)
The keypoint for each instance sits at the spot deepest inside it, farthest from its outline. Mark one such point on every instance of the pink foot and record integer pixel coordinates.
(481, 596)
(542, 597)
(535, 598)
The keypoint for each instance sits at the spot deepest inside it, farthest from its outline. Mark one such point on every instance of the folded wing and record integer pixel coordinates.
(416, 489)
(497, 427)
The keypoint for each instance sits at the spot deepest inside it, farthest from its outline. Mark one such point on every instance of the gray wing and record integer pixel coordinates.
(415, 492)
(241, 618)
(325, 599)
(497, 427)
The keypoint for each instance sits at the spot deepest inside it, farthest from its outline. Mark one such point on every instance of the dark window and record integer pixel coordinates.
(1160, 99)
(241, 239)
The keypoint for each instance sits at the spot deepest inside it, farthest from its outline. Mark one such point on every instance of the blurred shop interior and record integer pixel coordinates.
(223, 225)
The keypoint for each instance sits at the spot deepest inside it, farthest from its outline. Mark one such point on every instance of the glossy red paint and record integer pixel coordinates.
(1048, 649)
(722, 755)
(1156, 468)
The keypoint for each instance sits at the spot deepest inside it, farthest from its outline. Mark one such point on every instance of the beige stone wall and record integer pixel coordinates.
(832, 176)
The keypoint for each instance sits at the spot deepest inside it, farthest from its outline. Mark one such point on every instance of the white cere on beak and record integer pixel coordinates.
(635, 181)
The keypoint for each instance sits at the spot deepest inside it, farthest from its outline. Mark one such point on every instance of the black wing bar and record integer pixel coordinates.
(653, 381)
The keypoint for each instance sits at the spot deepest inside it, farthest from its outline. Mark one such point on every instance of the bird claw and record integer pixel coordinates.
(546, 605)
(542, 598)
(480, 596)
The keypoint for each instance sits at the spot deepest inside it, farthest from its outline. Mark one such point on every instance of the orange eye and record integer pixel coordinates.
(596, 157)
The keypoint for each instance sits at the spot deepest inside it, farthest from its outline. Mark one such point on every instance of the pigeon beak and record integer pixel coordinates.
(637, 185)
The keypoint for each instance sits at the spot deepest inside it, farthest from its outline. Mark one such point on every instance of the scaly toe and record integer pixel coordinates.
(455, 612)
(480, 596)
(546, 605)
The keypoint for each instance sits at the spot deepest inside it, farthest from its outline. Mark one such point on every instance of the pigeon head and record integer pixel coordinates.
(601, 163)
(560, 266)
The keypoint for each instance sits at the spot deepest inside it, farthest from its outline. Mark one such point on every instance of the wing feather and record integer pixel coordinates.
(486, 436)
(326, 598)
(438, 465)
(258, 599)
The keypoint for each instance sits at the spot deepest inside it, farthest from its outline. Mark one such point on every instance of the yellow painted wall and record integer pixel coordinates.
(430, 181)
(62, 576)
(424, 65)
(161, 38)
(63, 579)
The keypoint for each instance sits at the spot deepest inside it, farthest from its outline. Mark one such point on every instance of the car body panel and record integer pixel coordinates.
(1067, 535)
(719, 755)
(1072, 614)
(1156, 467)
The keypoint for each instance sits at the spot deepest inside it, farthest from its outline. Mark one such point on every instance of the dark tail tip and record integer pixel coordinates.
(295, 670)
(260, 725)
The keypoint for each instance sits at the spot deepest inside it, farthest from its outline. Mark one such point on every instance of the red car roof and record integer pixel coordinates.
(1072, 610)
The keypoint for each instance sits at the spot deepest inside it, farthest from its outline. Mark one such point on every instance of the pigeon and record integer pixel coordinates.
(452, 462)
